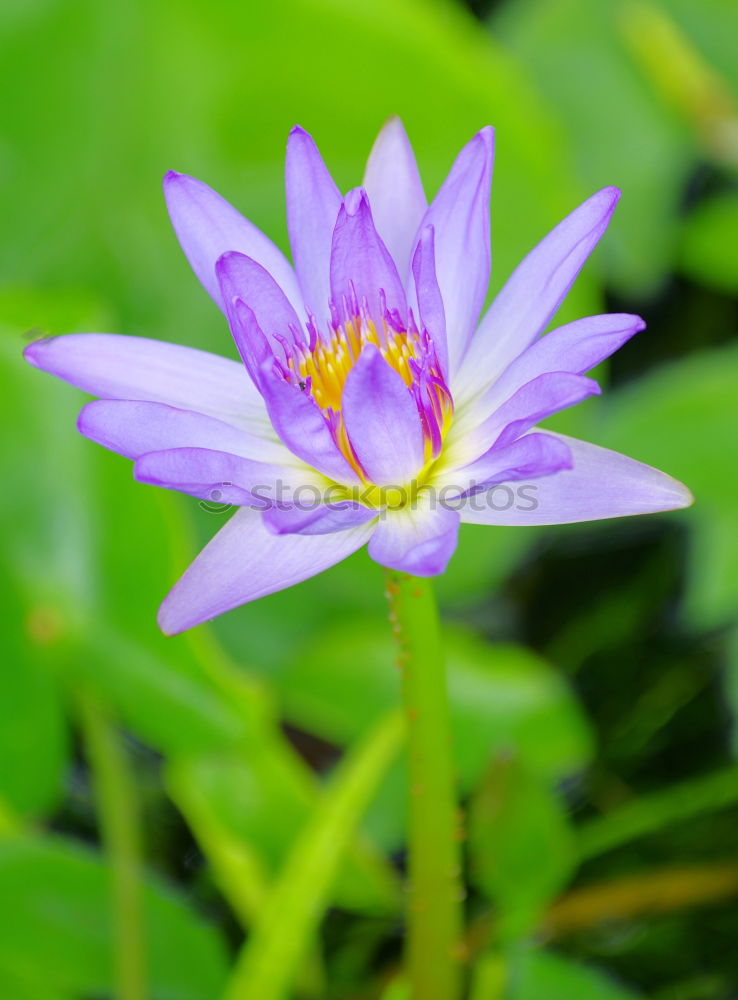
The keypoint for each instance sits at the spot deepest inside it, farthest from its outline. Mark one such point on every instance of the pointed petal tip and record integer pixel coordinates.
(227, 258)
(391, 125)
(35, 352)
(32, 352)
(483, 142)
(83, 418)
(634, 322)
(487, 134)
(610, 196)
(176, 184)
(166, 621)
(299, 136)
(683, 496)
(355, 201)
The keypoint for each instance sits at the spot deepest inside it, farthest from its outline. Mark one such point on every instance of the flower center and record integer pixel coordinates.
(327, 365)
(321, 366)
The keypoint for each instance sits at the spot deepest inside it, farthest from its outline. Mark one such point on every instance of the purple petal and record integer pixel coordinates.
(382, 421)
(255, 350)
(361, 263)
(460, 216)
(201, 472)
(530, 457)
(601, 484)
(540, 398)
(133, 428)
(576, 347)
(117, 367)
(245, 561)
(268, 314)
(395, 192)
(299, 422)
(428, 294)
(534, 291)
(317, 520)
(418, 539)
(313, 201)
(240, 277)
(207, 226)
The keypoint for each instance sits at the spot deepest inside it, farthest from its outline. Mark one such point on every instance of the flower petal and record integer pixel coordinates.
(320, 519)
(601, 484)
(254, 348)
(533, 292)
(419, 538)
(133, 428)
(540, 398)
(114, 366)
(299, 422)
(202, 471)
(460, 216)
(395, 192)
(530, 457)
(361, 263)
(576, 347)
(268, 316)
(313, 201)
(428, 298)
(241, 277)
(245, 561)
(207, 226)
(382, 421)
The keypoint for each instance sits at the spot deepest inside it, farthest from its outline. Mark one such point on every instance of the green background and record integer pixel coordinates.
(594, 668)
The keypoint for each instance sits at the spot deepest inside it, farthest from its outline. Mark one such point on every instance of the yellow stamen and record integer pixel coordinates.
(329, 364)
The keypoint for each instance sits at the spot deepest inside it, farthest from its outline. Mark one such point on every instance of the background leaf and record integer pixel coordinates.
(515, 817)
(60, 911)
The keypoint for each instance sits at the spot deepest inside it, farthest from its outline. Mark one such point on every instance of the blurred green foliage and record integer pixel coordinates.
(593, 669)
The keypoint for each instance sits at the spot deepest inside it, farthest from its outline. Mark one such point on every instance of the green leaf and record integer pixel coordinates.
(676, 419)
(503, 697)
(709, 241)
(711, 26)
(398, 989)
(440, 73)
(544, 974)
(168, 703)
(20, 988)
(483, 560)
(57, 935)
(657, 811)
(259, 799)
(34, 746)
(606, 120)
(287, 924)
(520, 842)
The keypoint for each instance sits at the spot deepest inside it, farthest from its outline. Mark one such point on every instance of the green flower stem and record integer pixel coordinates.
(119, 821)
(434, 950)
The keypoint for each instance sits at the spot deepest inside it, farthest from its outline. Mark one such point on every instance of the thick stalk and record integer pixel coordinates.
(117, 810)
(434, 949)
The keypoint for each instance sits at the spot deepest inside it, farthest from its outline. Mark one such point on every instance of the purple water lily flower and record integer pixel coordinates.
(371, 404)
